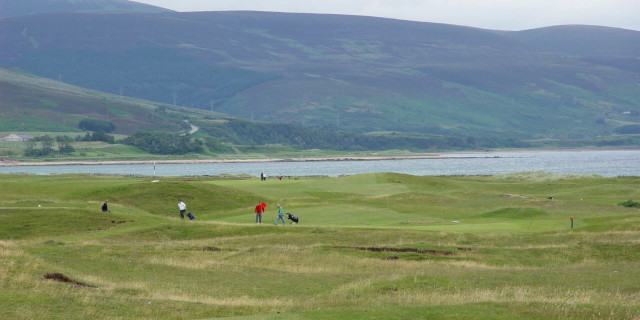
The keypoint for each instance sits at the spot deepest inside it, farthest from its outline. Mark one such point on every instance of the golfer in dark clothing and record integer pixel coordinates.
(105, 207)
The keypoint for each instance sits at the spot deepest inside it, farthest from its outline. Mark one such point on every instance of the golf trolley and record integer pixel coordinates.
(294, 219)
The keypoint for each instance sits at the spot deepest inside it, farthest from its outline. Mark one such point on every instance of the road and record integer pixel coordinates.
(194, 129)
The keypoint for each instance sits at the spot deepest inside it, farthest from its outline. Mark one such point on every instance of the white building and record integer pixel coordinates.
(20, 137)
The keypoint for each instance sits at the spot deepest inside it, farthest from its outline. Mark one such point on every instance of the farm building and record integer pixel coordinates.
(16, 137)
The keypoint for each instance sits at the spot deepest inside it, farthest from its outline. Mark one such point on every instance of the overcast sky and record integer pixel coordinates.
(490, 14)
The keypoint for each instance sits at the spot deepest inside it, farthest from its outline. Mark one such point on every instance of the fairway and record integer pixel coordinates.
(371, 246)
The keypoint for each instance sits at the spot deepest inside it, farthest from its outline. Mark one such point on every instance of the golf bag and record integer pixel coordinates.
(291, 217)
(191, 216)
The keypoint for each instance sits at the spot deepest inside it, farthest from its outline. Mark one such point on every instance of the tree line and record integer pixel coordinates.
(44, 146)
(164, 143)
(240, 132)
(244, 132)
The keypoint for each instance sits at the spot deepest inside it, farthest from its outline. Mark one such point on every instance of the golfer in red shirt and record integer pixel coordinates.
(259, 210)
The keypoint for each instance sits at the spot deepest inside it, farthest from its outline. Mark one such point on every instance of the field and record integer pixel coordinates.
(374, 246)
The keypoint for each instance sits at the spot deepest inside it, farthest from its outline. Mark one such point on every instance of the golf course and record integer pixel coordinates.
(528, 245)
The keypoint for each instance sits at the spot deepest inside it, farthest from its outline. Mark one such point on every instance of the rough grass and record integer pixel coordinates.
(377, 246)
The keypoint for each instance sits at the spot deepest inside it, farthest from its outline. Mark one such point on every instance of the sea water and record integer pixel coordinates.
(608, 163)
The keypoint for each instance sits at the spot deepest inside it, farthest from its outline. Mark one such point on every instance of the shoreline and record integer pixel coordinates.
(442, 155)
(197, 161)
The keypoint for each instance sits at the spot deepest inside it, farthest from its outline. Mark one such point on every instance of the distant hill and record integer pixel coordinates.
(32, 104)
(580, 40)
(16, 8)
(346, 73)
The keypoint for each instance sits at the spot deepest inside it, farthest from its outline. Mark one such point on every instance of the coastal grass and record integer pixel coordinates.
(371, 246)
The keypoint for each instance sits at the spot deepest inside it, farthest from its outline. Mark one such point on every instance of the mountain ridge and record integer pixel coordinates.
(13, 8)
(351, 73)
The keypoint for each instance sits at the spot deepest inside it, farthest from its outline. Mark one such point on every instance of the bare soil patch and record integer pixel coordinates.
(414, 250)
(59, 277)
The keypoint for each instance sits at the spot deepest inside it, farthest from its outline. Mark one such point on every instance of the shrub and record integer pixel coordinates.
(164, 142)
(96, 125)
(628, 129)
(630, 204)
(97, 136)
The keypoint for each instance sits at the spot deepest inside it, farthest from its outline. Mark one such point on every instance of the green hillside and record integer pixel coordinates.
(44, 107)
(30, 103)
(349, 73)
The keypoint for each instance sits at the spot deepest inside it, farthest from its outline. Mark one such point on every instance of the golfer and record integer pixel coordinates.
(183, 208)
(280, 215)
(259, 210)
(105, 207)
